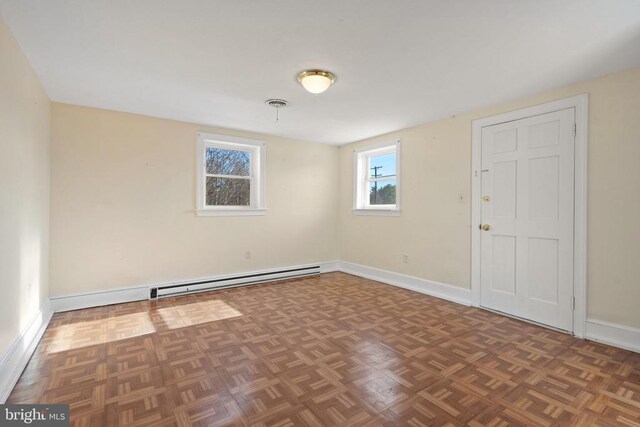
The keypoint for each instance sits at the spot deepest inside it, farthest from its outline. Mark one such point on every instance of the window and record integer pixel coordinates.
(230, 176)
(377, 179)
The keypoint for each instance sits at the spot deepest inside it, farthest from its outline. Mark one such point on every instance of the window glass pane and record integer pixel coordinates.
(383, 165)
(382, 193)
(221, 161)
(228, 191)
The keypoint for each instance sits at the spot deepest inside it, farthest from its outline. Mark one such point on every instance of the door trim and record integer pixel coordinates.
(580, 103)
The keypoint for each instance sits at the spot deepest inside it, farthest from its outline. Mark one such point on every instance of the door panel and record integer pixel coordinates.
(526, 265)
(503, 264)
(504, 189)
(544, 187)
(544, 134)
(543, 269)
(505, 141)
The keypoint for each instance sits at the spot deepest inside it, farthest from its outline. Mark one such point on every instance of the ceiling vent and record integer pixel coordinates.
(277, 104)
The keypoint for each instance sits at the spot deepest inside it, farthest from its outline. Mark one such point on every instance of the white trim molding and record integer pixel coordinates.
(329, 266)
(98, 299)
(428, 287)
(138, 293)
(16, 358)
(141, 292)
(580, 104)
(613, 334)
(377, 212)
(231, 212)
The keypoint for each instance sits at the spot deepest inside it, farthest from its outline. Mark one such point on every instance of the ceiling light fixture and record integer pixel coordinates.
(316, 81)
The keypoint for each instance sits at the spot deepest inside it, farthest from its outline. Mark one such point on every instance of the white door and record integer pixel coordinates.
(526, 265)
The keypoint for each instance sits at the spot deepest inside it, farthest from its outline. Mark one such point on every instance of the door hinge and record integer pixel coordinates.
(573, 303)
(575, 129)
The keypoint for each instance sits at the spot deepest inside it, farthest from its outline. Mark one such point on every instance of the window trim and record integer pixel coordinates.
(257, 177)
(361, 179)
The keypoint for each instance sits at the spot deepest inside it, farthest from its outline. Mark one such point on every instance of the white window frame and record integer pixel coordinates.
(257, 155)
(361, 179)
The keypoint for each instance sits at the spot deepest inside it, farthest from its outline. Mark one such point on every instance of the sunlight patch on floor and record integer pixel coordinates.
(94, 332)
(101, 331)
(197, 313)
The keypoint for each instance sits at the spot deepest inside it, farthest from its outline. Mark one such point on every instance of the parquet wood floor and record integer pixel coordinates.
(332, 350)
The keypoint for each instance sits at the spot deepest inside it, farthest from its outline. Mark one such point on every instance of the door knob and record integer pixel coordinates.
(485, 227)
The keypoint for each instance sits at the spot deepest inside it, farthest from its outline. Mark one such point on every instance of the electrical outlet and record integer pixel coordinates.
(247, 255)
(405, 259)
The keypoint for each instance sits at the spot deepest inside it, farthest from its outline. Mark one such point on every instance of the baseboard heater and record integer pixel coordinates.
(174, 289)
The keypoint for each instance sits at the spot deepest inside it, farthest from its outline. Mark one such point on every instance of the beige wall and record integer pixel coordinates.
(123, 198)
(123, 204)
(24, 191)
(434, 228)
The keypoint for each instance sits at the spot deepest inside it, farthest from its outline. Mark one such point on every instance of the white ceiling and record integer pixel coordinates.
(398, 62)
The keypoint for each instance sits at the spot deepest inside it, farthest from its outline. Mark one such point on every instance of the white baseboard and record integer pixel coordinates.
(613, 334)
(141, 292)
(429, 287)
(16, 358)
(329, 266)
(97, 299)
(596, 330)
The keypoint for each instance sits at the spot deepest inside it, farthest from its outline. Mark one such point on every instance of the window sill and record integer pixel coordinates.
(230, 212)
(377, 212)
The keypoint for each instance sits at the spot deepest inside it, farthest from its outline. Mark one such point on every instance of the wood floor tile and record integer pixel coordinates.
(481, 381)
(211, 412)
(506, 367)
(539, 408)
(441, 362)
(313, 383)
(524, 355)
(342, 408)
(348, 368)
(380, 390)
(331, 350)
(416, 412)
(453, 401)
(291, 417)
(379, 356)
(259, 399)
(413, 375)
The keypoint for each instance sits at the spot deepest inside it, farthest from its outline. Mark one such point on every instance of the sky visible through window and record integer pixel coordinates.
(382, 192)
(386, 164)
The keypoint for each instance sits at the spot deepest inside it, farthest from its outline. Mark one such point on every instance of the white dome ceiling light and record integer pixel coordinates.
(316, 81)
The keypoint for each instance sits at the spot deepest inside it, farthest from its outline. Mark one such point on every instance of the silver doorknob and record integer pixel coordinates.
(485, 227)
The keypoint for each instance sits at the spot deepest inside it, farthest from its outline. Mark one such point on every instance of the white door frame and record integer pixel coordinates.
(580, 103)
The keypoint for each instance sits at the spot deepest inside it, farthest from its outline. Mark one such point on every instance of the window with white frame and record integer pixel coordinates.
(377, 179)
(231, 178)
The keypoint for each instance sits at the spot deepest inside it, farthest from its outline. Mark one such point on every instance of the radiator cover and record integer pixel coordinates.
(202, 285)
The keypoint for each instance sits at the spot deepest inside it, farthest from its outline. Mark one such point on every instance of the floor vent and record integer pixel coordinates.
(174, 289)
